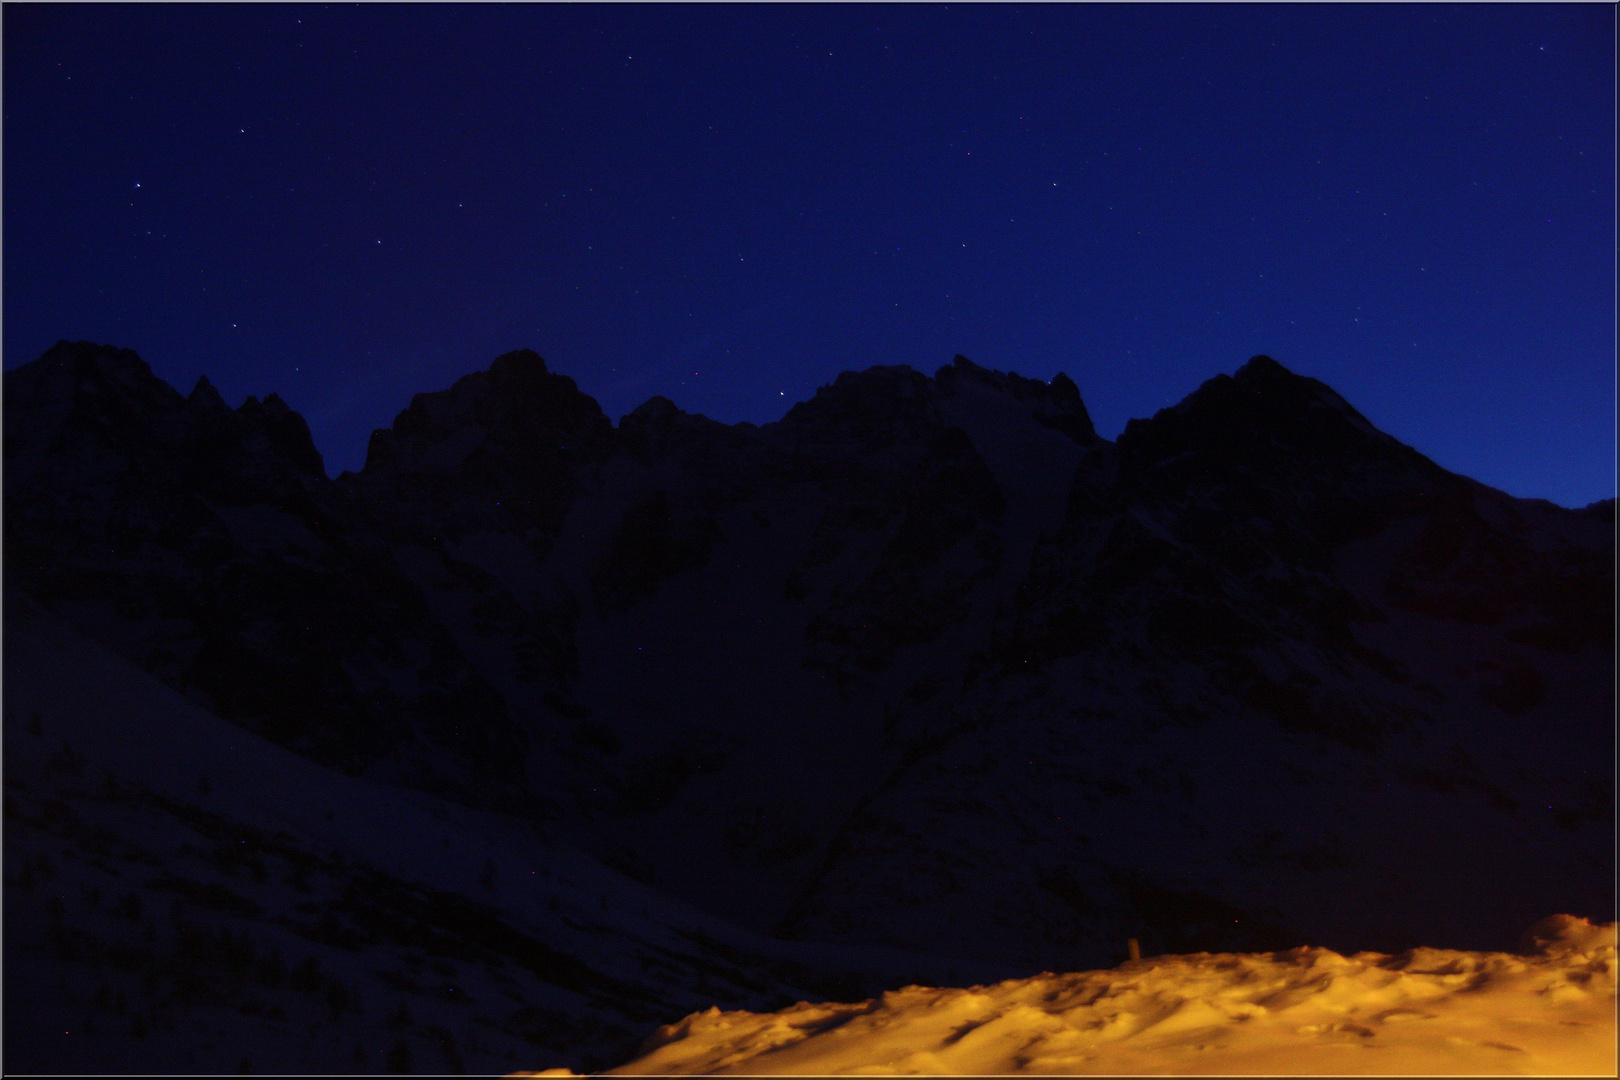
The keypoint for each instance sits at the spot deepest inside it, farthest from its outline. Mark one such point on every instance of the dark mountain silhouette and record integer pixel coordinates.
(926, 665)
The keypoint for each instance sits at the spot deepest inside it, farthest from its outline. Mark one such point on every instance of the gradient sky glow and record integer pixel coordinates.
(728, 205)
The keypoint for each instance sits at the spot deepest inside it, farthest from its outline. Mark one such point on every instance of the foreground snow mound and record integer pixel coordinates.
(1304, 1011)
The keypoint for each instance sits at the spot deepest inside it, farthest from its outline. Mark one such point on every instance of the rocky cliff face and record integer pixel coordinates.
(925, 664)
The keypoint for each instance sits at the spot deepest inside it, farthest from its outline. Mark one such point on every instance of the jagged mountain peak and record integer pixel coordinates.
(88, 358)
(876, 390)
(518, 365)
(658, 428)
(1261, 366)
(517, 405)
(654, 407)
(1602, 509)
(497, 450)
(1056, 404)
(882, 403)
(135, 506)
(84, 377)
(961, 369)
(203, 395)
(1266, 375)
(1264, 413)
(285, 431)
(88, 394)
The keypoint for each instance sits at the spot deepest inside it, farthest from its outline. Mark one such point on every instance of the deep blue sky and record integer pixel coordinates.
(728, 205)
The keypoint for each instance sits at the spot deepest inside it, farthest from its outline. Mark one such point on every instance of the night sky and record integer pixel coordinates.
(729, 205)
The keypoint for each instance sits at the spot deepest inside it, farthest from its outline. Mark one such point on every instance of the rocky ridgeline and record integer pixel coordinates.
(926, 663)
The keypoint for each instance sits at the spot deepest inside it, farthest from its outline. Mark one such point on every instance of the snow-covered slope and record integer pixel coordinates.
(183, 896)
(1276, 680)
(1433, 1012)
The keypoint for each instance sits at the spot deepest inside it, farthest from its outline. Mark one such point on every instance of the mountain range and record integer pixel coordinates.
(925, 681)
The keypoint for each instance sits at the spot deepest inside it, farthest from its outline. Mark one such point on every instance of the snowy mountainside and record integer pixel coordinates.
(183, 896)
(924, 665)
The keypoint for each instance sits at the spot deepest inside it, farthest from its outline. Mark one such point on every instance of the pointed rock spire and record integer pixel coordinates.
(286, 431)
(204, 395)
(1261, 366)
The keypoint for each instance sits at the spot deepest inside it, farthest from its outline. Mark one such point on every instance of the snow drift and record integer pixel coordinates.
(1303, 1011)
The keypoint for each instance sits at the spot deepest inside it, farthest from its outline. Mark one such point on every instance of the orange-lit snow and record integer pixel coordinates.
(1305, 1011)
